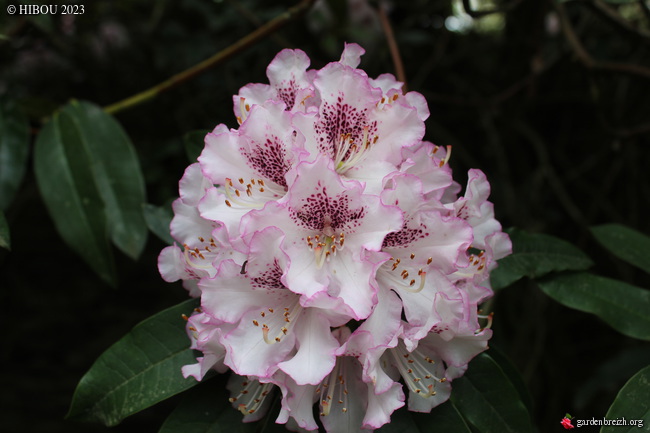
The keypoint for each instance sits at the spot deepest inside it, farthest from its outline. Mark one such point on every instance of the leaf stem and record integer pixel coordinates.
(216, 59)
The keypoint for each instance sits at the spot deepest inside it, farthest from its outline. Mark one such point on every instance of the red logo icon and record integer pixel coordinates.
(566, 422)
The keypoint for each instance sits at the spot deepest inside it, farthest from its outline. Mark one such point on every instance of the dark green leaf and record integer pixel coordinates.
(623, 306)
(488, 400)
(117, 173)
(5, 239)
(625, 243)
(194, 143)
(14, 150)
(141, 369)
(400, 421)
(67, 185)
(206, 409)
(535, 255)
(158, 219)
(631, 403)
(513, 375)
(444, 418)
(609, 375)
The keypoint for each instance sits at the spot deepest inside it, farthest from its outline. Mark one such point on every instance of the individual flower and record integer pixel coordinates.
(359, 129)
(270, 328)
(345, 402)
(328, 225)
(248, 165)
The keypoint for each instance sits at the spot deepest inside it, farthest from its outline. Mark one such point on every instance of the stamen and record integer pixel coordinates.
(334, 387)
(196, 253)
(489, 318)
(234, 194)
(243, 109)
(445, 160)
(349, 153)
(417, 370)
(283, 322)
(400, 281)
(326, 248)
(252, 396)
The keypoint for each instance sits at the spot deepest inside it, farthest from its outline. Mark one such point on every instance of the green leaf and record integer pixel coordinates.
(488, 400)
(631, 403)
(623, 306)
(14, 150)
(158, 219)
(140, 370)
(445, 418)
(513, 375)
(612, 372)
(535, 255)
(116, 170)
(206, 409)
(194, 141)
(63, 172)
(5, 240)
(401, 421)
(625, 243)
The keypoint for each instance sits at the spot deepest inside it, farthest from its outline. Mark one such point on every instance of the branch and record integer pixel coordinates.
(583, 55)
(615, 18)
(645, 9)
(478, 14)
(251, 18)
(218, 58)
(392, 45)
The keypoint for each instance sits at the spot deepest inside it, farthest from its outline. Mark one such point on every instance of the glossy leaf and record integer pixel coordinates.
(5, 239)
(611, 373)
(194, 141)
(138, 371)
(513, 375)
(488, 400)
(117, 173)
(535, 255)
(625, 243)
(631, 403)
(444, 418)
(158, 219)
(14, 150)
(623, 306)
(400, 421)
(206, 409)
(67, 185)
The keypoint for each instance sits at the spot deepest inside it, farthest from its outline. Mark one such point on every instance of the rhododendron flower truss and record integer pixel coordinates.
(333, 256)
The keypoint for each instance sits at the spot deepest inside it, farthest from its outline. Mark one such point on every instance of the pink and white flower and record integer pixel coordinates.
(332, 255)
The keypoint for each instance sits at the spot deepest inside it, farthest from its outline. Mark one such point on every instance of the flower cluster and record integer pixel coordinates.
(331, 252)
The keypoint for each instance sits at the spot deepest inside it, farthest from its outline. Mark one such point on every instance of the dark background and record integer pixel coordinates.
(561, 128)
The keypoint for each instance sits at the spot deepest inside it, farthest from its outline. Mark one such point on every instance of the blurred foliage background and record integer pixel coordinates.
(550, 99)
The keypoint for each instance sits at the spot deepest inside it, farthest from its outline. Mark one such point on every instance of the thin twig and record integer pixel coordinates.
(251, 18)
(615, 18)
(218, 58)
(571, 37)
(585, 58)
(552, 177)
(392, 44)
(478, 14)
(645, 9)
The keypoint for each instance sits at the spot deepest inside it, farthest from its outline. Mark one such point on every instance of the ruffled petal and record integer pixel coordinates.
(316, 350)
